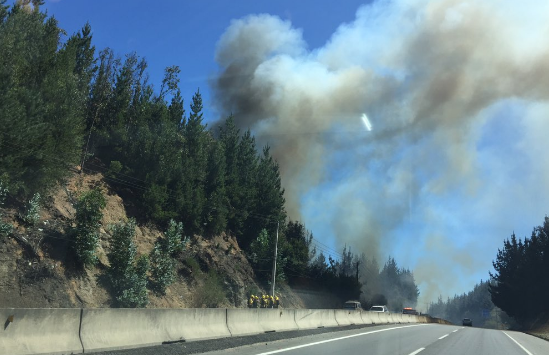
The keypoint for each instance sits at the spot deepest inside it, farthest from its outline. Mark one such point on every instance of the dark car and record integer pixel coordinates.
(409, 310)
(467, 322)
(353, 305)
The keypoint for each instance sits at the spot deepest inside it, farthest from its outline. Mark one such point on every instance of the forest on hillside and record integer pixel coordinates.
(67, 106)
(520, 283)
(476, 305)
(516, 293)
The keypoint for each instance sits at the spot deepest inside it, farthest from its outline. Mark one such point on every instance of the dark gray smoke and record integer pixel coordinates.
(426, 74)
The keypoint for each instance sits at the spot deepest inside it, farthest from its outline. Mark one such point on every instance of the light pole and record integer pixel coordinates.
(274, 262)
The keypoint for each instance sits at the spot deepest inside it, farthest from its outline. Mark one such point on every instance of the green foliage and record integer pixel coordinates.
(5, 228)
(42, 99)
(162, 269)
(193, 265)
(32, 212)
(297, 246)
(398, 285)
(134, 293)
(128, 274)
(520, 283)
(4, 190)
(163, 254)
(215, 209)
(262, 255)
(115, 168)
(88, 217)
(210, 294)
(194, 163)
(476, 305)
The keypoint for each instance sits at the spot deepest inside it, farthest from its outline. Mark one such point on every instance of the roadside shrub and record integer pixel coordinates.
(173, 237)
(128, 274)
(5, 228)
(32, 214)
(162, 257)
(193, 265)
(115, 168)
(3, 191)
(88, 217)
(211, 294)
(134, 293)
(162, 269)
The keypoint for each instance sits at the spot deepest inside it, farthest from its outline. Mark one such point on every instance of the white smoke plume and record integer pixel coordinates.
(430, 77)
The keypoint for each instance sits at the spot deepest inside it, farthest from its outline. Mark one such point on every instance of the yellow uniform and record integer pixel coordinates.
(251, 301)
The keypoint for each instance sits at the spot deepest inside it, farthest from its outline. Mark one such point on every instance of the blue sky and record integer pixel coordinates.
(455, 92)
(185, 33)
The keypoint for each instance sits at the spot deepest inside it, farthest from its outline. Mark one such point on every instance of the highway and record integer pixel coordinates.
(428, 339)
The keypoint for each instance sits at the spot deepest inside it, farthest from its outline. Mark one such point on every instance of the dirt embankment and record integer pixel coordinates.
(37, 270)
(539, 327)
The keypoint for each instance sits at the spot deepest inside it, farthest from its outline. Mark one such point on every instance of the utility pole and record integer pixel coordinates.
(274, 262)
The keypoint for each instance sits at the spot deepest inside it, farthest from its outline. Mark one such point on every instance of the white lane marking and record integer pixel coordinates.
(516, 342)
(444, 336)
(455, 330)
(417, 351)
(336, 339)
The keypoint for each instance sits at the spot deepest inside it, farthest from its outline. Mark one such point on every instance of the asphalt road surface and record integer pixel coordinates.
(428, 339)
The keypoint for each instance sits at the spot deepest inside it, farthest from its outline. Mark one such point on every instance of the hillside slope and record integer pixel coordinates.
(37, 270)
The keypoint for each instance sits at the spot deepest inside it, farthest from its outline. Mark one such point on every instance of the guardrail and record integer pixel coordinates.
(72, 331)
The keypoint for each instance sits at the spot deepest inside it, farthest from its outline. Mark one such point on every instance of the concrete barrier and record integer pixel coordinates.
(68, 331)
(383, 318)
(131, 328)
(256, 321)
(315, 318)
(367, 317)
(342, 317)
(397, 318)
(40, 331)
(348, 317)
(375, 317)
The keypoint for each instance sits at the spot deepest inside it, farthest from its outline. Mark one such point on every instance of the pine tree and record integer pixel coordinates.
(215, 210)
(246, 193)
(194, 167)
(41, 95)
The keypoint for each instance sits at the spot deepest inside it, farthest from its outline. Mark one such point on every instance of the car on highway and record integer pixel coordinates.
(353, 305)
(467, 322)
(381, 309)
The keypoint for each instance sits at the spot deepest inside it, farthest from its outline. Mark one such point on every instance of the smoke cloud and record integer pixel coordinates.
(437, 81)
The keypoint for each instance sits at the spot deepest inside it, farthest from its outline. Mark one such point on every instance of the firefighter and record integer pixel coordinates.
(271, 301)
(277, 302)
(256, 301)
(251, 301)
(263, 301)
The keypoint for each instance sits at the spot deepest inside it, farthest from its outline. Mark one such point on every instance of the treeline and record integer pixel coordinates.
(389, 285)
(475, 305)
(517, 291)
(520, 283)
(63, 104)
